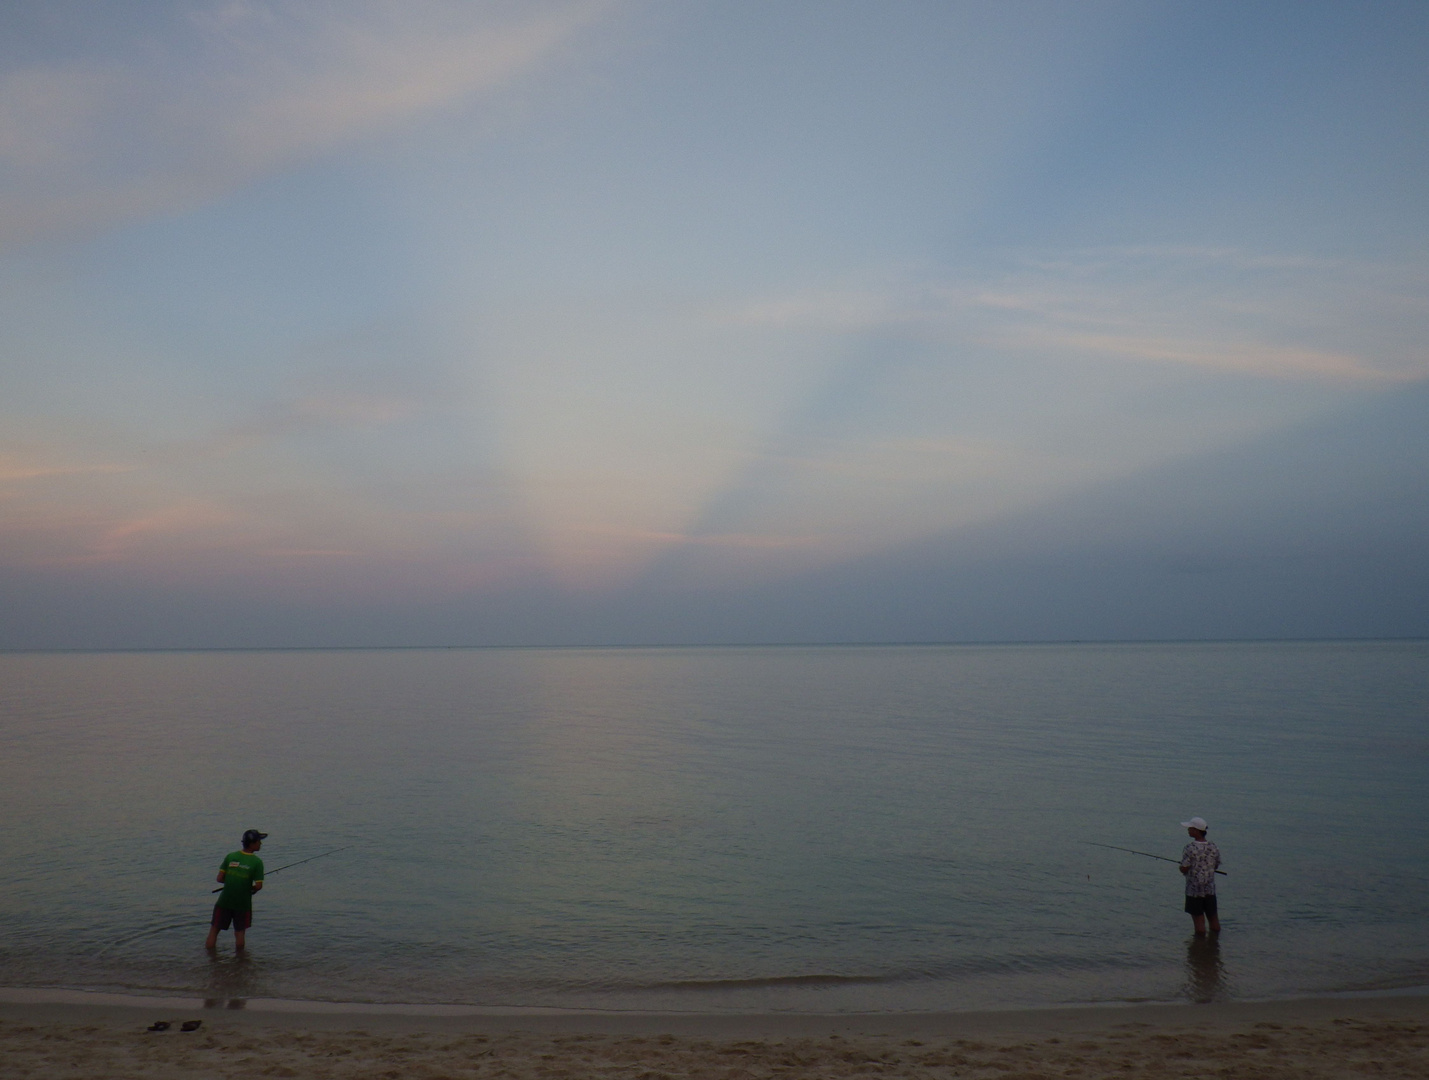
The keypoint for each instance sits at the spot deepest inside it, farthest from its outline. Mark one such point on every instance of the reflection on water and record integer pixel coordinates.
(230, 981)
(1205, 974)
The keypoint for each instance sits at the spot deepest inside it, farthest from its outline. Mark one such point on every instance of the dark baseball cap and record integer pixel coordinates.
(252, 836)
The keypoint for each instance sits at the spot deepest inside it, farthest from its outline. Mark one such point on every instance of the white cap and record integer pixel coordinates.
(1195, 823)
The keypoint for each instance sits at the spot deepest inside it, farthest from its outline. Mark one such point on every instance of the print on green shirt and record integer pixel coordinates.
(241, 871)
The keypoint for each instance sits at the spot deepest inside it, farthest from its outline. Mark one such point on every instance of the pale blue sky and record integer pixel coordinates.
(452, 322)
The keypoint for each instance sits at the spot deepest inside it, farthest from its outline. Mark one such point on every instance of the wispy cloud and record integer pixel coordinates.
(242, 89)
(1264, 315)
(186, 519)
(311, 414)
(64, 533)
(14, 469)
(1244, 358)
(1220, 309)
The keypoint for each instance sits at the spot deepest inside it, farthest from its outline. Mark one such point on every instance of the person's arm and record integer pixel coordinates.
(258, 877)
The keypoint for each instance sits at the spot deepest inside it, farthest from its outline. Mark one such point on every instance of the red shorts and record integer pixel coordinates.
(224, 917)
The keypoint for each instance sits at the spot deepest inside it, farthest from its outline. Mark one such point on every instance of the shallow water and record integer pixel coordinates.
(727, 828)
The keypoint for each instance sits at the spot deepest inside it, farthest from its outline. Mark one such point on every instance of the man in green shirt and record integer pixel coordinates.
(241, 875)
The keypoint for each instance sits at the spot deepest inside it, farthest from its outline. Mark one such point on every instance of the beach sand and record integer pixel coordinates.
(1343, 1037)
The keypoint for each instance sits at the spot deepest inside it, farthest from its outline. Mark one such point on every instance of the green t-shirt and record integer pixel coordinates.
(241, 871)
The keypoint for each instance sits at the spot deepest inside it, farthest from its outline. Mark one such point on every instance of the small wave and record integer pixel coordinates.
(769, 981)
(152, 931)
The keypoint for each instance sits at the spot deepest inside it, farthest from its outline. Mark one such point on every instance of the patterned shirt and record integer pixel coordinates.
(1201, 857)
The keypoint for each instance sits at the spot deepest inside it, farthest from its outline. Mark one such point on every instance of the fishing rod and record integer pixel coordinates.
(300, 862)
(1148, 854)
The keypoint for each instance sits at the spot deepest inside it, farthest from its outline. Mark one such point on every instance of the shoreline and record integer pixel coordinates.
(58, 1005)
(1299, 1039)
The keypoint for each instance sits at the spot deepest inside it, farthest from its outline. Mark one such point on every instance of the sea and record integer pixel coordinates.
(724, 829)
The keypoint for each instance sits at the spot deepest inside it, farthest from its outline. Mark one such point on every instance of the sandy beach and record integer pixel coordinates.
(1382, 1037)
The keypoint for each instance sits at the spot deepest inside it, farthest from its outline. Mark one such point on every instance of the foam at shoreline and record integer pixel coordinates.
(61, 1002)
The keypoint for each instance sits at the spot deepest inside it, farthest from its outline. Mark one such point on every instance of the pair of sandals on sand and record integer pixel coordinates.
(164, 1025)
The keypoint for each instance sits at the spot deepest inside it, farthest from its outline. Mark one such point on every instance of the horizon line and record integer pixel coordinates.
(981, 643)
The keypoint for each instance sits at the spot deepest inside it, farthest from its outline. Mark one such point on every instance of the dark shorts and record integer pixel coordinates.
(224, 917)
(1201, 905)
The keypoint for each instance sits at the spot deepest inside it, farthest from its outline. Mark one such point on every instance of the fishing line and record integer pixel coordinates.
(1148, 854)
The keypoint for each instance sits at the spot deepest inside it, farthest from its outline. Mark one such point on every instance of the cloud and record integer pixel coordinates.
(1271, 315)
(1232, 311)
(59, 533)
(12, 469)
(187, 519)
(278, 421)
(239, 90)
(1245, 358)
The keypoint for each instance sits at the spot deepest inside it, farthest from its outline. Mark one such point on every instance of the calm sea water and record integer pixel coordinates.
(812, 829)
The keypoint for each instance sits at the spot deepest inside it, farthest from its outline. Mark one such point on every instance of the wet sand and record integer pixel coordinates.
(1382, 1037)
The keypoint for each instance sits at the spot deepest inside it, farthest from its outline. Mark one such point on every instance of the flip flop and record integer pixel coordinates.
(190, 1025)
(160, 1025)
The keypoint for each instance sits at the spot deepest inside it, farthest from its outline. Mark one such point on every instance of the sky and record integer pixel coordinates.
(609, 322)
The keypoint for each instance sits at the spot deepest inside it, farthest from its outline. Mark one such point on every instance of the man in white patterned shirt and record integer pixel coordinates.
(1199, 860)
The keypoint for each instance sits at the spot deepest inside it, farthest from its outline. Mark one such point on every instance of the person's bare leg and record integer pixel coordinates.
(1199, 922)
(1215, 925)
(212, 942)
(237, 940)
